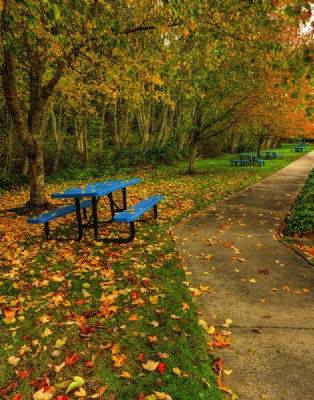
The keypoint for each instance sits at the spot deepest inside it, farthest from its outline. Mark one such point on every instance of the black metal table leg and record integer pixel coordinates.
(124, 199)
(95, 218)
(79, 219)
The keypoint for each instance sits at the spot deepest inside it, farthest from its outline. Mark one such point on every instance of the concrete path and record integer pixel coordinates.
(266, 289)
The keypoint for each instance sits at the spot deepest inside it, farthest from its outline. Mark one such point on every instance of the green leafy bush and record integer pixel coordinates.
(300, 221)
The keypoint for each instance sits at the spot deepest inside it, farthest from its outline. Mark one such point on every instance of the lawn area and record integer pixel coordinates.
(91, 320)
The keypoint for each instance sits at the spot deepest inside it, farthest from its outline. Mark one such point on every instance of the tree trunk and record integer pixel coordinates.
(101, 131)
(192, 157)
(8, 158)
(195, 138)
(37, 180)
(58, 130)
(29, 131)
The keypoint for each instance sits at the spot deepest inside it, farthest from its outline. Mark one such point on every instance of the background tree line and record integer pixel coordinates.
(101, 85)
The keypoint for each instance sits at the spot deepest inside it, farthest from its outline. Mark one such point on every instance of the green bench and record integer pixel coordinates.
(259, 162)
(57, 213)
(239, 162)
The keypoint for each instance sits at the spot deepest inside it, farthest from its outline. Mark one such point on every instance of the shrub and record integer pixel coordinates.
(300, 221)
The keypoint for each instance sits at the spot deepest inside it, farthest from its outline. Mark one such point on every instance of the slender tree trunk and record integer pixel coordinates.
(58, 130)
(235, 138)
(195, 138)
(101, 130)
(25, 169)
(8, 158)
(115, 126)
(85, 141)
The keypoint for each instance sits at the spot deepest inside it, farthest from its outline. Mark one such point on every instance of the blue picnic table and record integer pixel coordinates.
(93, 192)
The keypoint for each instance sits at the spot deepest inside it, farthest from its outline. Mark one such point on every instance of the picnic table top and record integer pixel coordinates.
(96, 189)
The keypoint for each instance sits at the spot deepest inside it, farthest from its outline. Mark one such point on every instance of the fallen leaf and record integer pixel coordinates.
(60, 343)
(176, 371)
(126, 375)
(72, 359)
(13, 360)
(77, 382)
(161, 367)
(41, 394)
(150, 365)
(80, 393)
(119, 360)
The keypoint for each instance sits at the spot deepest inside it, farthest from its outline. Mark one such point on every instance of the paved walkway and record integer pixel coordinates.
(263, 287)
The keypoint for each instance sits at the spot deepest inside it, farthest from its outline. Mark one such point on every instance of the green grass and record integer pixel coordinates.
(111, 301)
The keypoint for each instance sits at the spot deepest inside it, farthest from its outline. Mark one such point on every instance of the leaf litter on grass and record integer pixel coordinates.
(69, 309)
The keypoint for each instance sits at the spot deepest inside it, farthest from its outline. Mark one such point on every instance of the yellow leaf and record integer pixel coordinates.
(176, 371)
(58, 368)
(252, 280)
(46, 332)
(153, 299)
(155, 324)
(162, 396)
(45, 318)
(115, 348)
(60, 343)
(80, 393)
(227, 371)
(119, 360)
(227, 323)
(185, 306)
(42, 395)
(205, 289)
(150, 365)
(126, 375)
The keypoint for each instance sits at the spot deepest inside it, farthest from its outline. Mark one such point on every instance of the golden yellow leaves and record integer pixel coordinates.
(119, 360)
(118, 357)
(150, 365)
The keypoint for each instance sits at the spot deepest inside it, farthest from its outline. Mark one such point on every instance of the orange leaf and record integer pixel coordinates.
(72, 360)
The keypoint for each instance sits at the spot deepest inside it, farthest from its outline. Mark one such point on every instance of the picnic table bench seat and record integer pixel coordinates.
(240, 162)
(259, 161)
(131, 214)
(48, 216)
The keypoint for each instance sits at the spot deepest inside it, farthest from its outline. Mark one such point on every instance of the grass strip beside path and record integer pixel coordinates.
(119, 318)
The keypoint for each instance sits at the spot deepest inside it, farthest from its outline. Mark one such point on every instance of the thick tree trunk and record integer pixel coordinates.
(37, 181)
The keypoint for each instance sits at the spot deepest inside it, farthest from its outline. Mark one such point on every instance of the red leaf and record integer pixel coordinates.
(17, 397)
(72, 360)
(161, 367)
(41, 383)
(12, 385)
(86, 329)
(24, 374)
